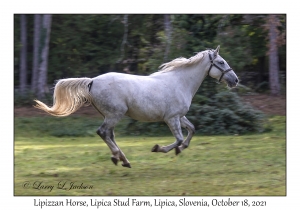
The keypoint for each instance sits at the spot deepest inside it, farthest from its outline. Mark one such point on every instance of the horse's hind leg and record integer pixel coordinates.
(185, 123)
(174, 125)
(105, 131)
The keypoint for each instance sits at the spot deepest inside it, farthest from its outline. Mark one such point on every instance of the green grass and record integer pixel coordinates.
(213, 165)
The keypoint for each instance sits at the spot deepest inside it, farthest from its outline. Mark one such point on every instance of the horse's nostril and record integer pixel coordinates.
(236, 80)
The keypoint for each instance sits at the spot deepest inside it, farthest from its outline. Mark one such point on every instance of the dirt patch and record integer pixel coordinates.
(273, 105)
(268, 104)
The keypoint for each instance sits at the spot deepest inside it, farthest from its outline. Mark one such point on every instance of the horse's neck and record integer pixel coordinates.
(192, 77)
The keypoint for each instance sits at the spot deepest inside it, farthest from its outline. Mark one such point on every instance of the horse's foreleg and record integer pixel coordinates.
(185, 123)
(174, 125)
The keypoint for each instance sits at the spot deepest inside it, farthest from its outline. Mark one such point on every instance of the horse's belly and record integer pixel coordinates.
(145, 115)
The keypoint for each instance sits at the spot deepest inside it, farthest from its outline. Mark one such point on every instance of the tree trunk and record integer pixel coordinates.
(43, 64)
(273, 55)
(261, 70)
(168, 32)
(36, 52)
(23, 55)
(124, 41)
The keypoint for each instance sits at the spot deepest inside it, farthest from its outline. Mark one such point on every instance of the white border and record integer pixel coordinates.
(8, 8)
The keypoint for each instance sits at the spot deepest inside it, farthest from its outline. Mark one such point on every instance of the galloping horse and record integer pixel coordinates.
(165, 95)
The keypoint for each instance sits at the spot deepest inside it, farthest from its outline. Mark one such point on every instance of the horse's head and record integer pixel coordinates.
(220, 70)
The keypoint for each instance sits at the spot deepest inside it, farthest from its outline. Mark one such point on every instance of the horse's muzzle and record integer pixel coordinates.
(232, 82)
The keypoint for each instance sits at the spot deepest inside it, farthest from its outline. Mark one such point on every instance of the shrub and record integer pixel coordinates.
(225, 113)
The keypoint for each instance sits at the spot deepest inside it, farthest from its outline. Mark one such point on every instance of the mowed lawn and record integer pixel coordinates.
(213, 165)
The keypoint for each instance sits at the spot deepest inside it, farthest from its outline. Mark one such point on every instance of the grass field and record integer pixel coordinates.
(213, 165)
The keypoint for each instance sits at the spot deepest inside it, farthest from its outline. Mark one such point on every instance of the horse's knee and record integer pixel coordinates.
(191, 128)
(185, 123)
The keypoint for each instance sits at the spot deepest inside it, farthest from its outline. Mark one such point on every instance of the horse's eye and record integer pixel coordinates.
(221, 62)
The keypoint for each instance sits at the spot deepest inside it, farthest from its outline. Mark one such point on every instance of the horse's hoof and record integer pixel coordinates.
(126, 165)
(177, 150)
(155, 148)
(114, 160)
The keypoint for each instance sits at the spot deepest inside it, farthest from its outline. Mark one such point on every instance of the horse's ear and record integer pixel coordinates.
(216, 52)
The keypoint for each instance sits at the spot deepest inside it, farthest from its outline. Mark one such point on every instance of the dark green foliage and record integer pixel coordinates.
(86, 45)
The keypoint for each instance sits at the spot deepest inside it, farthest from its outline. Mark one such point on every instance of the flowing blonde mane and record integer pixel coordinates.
(182, 62)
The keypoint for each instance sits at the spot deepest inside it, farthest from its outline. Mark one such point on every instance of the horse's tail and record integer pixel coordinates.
(69, 95)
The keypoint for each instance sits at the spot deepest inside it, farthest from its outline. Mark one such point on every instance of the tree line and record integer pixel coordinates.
(50, 47)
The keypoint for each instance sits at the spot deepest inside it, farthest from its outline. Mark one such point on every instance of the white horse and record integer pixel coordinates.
(165, 95)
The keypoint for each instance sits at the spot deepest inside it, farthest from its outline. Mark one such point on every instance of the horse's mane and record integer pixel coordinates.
(183, 62)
